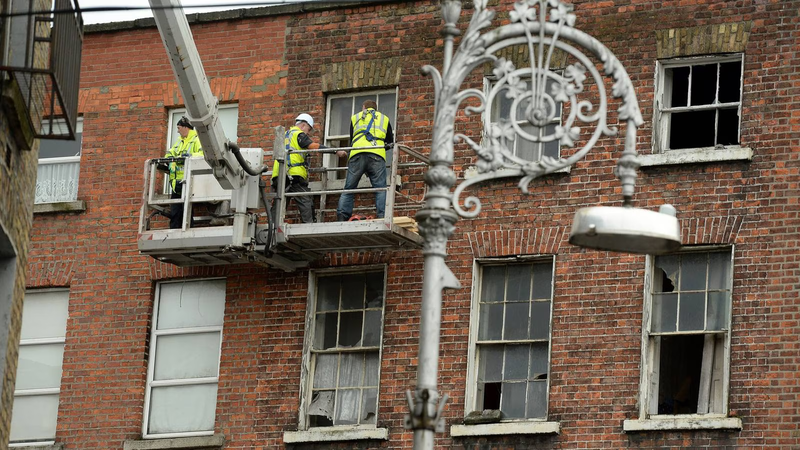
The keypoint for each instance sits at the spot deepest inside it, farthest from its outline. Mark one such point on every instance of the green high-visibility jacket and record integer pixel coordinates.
(185, 147)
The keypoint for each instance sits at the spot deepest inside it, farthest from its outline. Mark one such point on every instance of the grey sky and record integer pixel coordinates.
(120, 16)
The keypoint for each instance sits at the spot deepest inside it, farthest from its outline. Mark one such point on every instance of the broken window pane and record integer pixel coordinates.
(371, 370)
(728, 127)
(692, 129)
(491, 322)
(668, 266)
(372, 329)
(491, 363)
(353, 291)
(704, 84)
(678, 78)
(327, 294)
(516, 321)
(493, 284)
(488, 396)
(347, 406)
(542, 281)
(540, 320)
(374, 289)
(692, 313)
(350, 329)
(693, 271)
(519, 282)
(539, 361)
(516, 362)
(325, 371)
(665, 312)
(719, 273)
(679, 381)
(325, 331)
(320, 411)
(351, 369)
(513, 400)
(718, 310)
(369, 405)
(730, 81)
(537, 400)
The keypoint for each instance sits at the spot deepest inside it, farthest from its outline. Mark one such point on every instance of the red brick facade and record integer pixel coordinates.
(272, 65)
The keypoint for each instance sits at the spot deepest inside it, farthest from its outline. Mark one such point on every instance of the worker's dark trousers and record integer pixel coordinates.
(176, 209)
(304, 203)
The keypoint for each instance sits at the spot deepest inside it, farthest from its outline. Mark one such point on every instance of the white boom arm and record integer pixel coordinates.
(202, 106)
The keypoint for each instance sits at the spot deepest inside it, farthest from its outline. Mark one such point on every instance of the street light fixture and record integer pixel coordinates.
(542, 27)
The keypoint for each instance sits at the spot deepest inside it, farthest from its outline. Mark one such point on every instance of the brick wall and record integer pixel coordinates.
(277, 66)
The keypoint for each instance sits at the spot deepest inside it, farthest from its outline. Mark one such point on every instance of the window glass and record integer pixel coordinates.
(41, 354)
(184, 357)
(345, 349)
(61, 148)
(512, 343)
(228, 117)
(700, 105)
(688, 333)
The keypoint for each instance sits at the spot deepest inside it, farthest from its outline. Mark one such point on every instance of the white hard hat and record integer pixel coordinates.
(305, 118)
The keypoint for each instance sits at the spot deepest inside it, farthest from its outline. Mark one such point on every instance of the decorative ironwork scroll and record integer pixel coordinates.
(536, 94)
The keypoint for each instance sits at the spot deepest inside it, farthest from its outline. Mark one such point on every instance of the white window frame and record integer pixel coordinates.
(336, 178)
(333, 433)
(661, 154)
(174, 115)
(489, 83)
(71, 163)
(511, 425)
(154, 335)
(43, 391)
(648, 390)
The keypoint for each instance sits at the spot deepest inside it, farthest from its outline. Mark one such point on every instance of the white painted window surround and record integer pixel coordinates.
(341, 358)
(685, 373)
(698, 107)
(185, 347)
(509, 346)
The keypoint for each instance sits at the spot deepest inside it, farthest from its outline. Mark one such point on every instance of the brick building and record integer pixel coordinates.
(576, 348)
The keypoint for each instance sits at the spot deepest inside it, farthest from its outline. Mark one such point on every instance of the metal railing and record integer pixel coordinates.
(321, 188)
(44, 59)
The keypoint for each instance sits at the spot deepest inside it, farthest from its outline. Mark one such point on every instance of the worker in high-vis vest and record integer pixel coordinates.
(297, 138)
(371, 130)
(187, 146)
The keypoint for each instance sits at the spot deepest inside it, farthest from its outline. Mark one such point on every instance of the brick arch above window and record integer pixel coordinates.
(711, 230)
(372, 73)
(528, 241)
(703, 40)
(50, 273)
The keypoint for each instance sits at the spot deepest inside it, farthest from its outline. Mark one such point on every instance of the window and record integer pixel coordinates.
(698, 103)
(523, 148)
(183, 372)
(228, 117)
(41, 353)
(511, 350)
(343, 349)
(687, 333)
(59, 166)
(340, 111)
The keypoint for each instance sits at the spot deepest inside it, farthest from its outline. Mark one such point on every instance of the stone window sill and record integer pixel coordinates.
(56, 446)
(696, 155)
(505, 428)
(215, 441)
(683, 423)
(333, 434)
(45, 208)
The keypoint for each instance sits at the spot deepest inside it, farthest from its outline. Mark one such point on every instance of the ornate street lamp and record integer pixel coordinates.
(535, 92)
